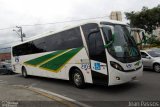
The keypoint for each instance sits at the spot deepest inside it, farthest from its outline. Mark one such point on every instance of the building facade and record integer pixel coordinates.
(5, 56)
(157, 33)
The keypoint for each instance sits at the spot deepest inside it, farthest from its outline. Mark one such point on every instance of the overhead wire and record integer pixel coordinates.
(5, 48)
(48, 24)
(38, 24)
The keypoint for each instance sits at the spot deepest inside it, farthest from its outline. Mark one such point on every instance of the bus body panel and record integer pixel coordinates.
(81, 63)
(124, 77)
(119, 77)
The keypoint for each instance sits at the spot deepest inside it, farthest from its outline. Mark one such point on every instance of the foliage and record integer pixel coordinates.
(147, 19)
(153, 41)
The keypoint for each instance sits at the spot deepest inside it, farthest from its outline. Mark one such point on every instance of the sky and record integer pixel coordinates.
(30, 12)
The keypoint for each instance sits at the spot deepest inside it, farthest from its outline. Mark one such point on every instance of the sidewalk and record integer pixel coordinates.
(14, 96)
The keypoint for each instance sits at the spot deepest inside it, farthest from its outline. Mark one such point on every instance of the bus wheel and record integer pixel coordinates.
(78, 79)
(24, 72)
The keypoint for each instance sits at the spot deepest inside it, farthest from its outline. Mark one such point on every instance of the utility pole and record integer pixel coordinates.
(21, 33)
(20, 30)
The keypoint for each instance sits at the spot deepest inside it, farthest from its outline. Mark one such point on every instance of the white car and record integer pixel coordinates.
(156, 49)
(151, 59)
(6, 67)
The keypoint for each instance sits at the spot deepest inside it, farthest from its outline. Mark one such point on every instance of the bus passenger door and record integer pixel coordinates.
(98, 59)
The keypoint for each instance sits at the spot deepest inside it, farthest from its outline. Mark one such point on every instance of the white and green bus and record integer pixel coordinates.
(95, 52)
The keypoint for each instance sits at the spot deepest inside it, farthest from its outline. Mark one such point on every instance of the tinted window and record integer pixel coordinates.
(124, 47)
(154, 53)
(107, 34)
(87, 28)
(60, 41)
(64, 40)
(28, 48)
(143, 54)
(94, 42)
(96, 47)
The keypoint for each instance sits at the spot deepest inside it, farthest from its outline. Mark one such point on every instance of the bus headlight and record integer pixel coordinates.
(116, 66)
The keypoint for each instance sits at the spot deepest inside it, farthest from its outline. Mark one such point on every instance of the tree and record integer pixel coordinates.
(147, 19)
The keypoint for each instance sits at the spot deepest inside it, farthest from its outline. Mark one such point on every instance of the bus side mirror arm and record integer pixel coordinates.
(108, 44)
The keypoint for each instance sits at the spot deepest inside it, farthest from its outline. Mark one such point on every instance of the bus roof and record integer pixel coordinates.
(69, 27)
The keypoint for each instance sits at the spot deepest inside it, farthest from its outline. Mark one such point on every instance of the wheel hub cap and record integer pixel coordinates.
(157, 68)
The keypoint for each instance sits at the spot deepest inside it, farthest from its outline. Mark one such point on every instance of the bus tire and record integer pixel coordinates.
(24, 72)
(78, 79)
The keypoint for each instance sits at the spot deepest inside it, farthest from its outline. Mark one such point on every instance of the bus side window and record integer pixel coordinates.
(92, 45)
(144, 55)
(96, 47)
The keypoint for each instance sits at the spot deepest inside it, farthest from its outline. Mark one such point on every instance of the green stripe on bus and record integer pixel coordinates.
(39, 60)
(59, 61)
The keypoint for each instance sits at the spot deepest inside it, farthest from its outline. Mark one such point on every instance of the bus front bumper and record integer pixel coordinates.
(118, 77)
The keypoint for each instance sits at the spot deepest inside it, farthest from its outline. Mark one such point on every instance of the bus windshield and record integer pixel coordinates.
(124, 47)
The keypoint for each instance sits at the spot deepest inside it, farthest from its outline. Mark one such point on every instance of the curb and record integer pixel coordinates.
(55, 97)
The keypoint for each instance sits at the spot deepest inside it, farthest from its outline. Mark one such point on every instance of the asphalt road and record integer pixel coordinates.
(147, 88)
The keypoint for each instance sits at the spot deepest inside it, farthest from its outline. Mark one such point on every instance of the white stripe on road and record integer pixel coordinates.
(60, 96)
(3, 82)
